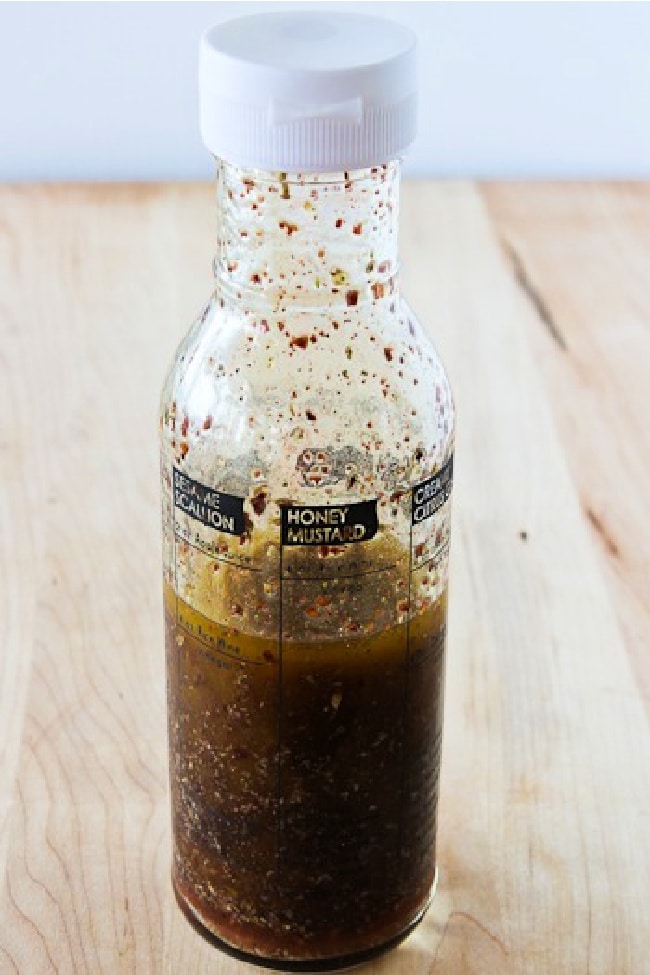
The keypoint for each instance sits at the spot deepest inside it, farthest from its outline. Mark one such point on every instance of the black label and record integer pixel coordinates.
(224, 512)
(338, 524)
(431, 494)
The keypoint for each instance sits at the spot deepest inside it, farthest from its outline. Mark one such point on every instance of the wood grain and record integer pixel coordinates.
(545, 806)
(584, 251)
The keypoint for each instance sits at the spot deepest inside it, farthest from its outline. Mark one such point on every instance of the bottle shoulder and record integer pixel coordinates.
(309, 394)
(266, 349)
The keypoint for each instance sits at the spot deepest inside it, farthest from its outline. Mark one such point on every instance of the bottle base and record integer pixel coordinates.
(284, 964)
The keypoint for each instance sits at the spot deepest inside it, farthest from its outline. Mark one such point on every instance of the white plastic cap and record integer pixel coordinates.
(310, 91)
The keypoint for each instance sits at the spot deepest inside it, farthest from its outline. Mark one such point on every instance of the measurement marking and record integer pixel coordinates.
(217, 649)
(178, 742)
(404, 776)
(280, 817)
(216, 558)
(438, 552)
(436, 648)
(352, 575)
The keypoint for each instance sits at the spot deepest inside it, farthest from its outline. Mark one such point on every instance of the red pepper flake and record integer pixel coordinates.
(256, 279)
(357, 229)
(383, 266)
(378, 290)
(351, 297)
(258, 502)
(299, 341)
(325, 550)
(339, 223)
(310, 415)
(313, 338)
(388, 352)
(289, 227)
(185, 425)
(248, 528)
(321, 253)
(207, 423)
(419, 550)
(403, 605)
(184, 449)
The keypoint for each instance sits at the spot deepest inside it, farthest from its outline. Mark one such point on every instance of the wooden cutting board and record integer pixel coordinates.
(538, 297)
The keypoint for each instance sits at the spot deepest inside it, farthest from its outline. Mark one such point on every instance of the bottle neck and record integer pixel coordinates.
(327, 241)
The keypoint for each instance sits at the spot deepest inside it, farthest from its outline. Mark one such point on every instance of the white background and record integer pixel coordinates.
(108, 90)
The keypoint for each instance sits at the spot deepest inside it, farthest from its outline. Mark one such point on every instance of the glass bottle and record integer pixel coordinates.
(306, 454)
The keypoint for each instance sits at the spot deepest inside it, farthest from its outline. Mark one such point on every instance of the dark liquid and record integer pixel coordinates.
(304, 783)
